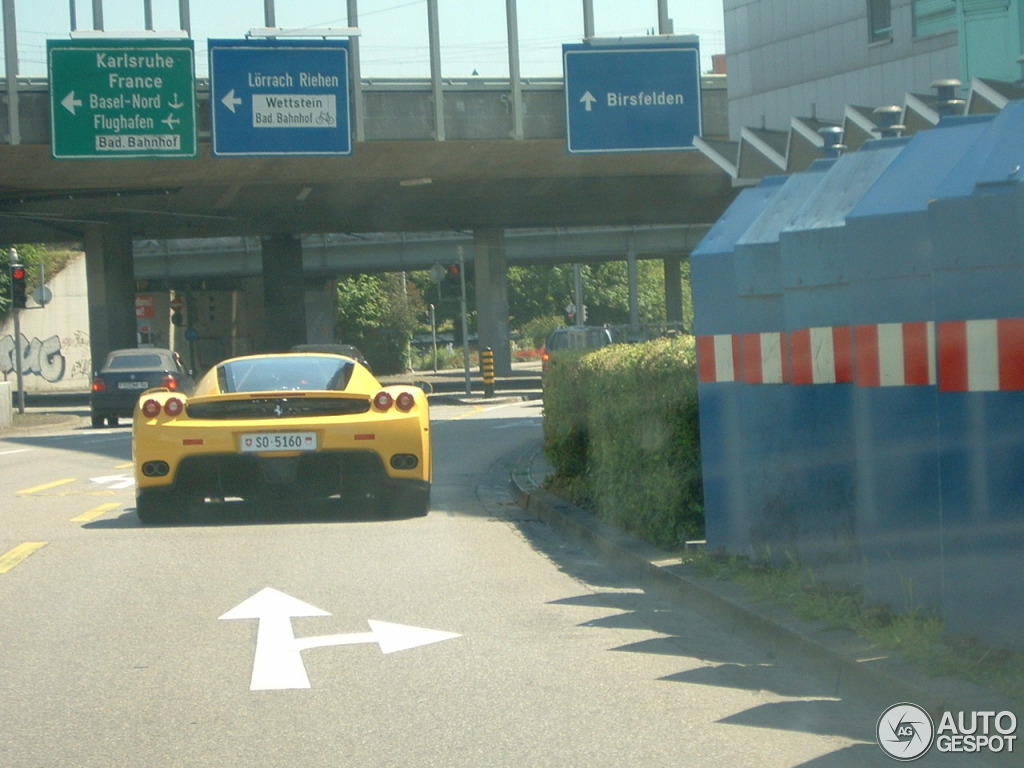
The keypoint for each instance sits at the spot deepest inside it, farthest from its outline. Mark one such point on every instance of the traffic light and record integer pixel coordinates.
(19, 291)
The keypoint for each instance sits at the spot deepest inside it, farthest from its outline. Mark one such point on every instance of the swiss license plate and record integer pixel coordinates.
(133, 385)
(278, 441)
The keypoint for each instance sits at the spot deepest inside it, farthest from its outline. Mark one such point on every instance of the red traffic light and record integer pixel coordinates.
(19, 291)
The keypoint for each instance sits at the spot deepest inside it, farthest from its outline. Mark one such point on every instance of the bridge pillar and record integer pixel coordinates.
(674, 289)
(110, 287)
(492, 296)
(284, 298)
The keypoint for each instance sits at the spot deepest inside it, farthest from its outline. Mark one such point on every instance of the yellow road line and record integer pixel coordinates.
(471, 412)
(47, 486)
(95, 512)
(10, 559)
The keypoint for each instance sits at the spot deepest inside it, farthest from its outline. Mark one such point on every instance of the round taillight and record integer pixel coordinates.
(405, 401)
(383, 401)
(151, 409)
(174, 407)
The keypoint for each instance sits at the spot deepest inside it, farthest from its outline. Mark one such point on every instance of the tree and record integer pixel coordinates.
(379, 314)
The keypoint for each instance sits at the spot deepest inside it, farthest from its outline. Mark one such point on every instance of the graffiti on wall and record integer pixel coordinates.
(78, 351)
(38, 358)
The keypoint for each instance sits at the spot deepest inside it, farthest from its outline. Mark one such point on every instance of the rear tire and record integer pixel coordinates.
(97, 421)
(409, 500)
(158, 507)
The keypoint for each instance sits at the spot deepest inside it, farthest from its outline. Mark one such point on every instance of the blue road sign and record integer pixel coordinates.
(280, 97)
(642, 97)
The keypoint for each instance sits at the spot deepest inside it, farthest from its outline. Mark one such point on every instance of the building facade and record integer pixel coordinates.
(811, 59)
(799, 66)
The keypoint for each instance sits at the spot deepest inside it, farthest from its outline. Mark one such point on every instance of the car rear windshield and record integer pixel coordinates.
(579, 338)
(286, 373)
(137, 361)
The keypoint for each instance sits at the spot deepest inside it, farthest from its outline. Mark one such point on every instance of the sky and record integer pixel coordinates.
(393, 40)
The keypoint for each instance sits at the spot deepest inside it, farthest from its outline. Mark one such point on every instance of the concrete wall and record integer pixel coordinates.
(55, 340)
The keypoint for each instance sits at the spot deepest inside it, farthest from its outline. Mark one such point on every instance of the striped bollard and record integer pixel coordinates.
(487, 369)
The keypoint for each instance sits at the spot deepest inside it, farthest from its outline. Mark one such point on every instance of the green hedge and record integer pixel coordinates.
(621, 429)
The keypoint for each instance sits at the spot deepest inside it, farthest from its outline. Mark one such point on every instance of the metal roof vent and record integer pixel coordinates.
(887, 122)
(947, 93)
(832, 137)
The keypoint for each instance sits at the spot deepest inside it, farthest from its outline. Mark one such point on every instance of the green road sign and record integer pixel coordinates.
(122, 98)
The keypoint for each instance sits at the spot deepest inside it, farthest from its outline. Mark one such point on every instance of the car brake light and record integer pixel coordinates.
(545, 355)
(99, 385)
(383, 401)
(151, 409)
(174, 407)
(405, 401)
(170, 381)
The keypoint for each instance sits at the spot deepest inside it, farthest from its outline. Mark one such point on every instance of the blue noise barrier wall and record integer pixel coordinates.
(861, 348)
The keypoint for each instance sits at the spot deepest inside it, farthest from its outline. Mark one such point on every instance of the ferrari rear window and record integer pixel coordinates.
(300, 373)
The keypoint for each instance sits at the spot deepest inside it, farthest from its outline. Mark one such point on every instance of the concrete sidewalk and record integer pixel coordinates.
(43, 411)
(851, 662)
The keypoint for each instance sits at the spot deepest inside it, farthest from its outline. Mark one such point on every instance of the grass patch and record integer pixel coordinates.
(917, 637)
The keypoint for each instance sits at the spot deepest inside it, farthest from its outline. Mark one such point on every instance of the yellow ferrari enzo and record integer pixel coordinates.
(282, 427)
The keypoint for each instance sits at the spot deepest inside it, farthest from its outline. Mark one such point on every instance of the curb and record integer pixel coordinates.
(851, 662)
(480, 400)
(41, 422)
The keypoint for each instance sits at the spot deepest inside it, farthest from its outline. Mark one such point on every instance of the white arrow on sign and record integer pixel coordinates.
(588, 101)
(69, 102)
(277, 663)
(231, 101)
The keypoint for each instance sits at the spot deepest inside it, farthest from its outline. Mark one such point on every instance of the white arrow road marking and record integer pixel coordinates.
(390, 637)
(115, 481)
(69, 102)
(231, 101)
(588, 101)
(277, 663)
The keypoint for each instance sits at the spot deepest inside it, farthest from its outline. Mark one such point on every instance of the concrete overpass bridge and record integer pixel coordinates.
(488, 166)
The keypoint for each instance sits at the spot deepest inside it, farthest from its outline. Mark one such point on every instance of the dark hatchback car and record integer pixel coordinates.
(590, 337)
(126, 374)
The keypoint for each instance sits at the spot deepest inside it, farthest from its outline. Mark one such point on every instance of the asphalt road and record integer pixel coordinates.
(141, 647)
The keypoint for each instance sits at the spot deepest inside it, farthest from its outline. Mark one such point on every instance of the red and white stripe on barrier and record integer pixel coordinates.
(718, 358)
(981, 355)
(764, 358)
(958, 356)
(822, 355)
(895, 354)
